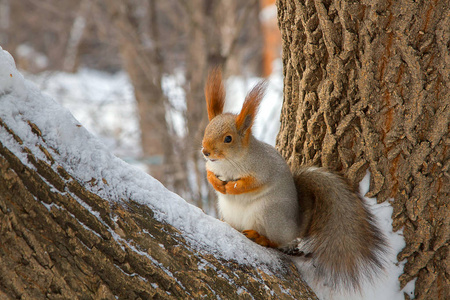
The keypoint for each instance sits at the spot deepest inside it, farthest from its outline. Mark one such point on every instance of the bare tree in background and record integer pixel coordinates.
(137, 35)
(55, 35)
(28, 26)
(76, 35)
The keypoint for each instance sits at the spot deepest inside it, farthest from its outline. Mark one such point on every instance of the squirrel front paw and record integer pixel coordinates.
(217, 184)
(242, 185)
(259, 239)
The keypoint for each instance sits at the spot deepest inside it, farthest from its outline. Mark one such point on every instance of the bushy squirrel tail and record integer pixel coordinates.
(340, 239)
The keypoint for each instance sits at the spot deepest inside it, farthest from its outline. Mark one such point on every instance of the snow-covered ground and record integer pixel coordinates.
(85, 157)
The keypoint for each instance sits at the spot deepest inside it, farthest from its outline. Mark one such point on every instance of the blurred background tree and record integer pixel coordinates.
(166, 48)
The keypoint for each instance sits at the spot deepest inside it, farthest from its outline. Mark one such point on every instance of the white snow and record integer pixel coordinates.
(86, 157)
(388, 287)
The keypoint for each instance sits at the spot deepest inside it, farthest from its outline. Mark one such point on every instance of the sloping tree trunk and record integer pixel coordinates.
(60, 240)
(367, 87)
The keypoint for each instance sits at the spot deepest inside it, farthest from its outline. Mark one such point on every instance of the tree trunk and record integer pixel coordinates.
(367, 86)
(60, 240)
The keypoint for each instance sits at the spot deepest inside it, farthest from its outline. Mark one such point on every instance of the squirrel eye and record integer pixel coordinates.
(228, 139)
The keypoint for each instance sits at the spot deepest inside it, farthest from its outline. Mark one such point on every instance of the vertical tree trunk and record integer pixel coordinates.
(367, 86)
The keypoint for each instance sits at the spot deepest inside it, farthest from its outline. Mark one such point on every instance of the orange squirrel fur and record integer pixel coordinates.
(310, 212)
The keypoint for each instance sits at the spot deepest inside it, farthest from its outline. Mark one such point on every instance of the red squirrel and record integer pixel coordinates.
(308, 212)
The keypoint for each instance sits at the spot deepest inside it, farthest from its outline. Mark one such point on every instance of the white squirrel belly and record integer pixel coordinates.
(239, 211)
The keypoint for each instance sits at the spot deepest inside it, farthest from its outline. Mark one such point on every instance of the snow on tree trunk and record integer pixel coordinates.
(367, 86)
(77, 222)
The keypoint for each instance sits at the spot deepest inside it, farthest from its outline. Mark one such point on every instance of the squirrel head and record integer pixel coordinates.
(227, 135)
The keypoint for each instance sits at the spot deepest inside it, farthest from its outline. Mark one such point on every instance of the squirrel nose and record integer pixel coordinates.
(205, 152)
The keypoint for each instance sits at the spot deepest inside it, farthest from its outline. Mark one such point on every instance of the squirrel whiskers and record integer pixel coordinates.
(310, 212)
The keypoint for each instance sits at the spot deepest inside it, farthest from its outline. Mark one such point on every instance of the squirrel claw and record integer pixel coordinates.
(259, 239)
(295, 251)
(218, 184)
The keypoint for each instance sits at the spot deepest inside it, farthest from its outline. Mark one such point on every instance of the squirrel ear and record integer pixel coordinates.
(214, 93)
(244, 120)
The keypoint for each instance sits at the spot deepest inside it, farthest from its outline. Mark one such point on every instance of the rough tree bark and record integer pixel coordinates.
(367, 87)
(58, 240)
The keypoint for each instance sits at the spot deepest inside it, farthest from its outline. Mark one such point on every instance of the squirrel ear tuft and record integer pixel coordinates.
(214, 93)
(244, 120)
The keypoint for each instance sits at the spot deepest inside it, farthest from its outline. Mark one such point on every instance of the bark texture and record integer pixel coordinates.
(60, 241)
(367, 87)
